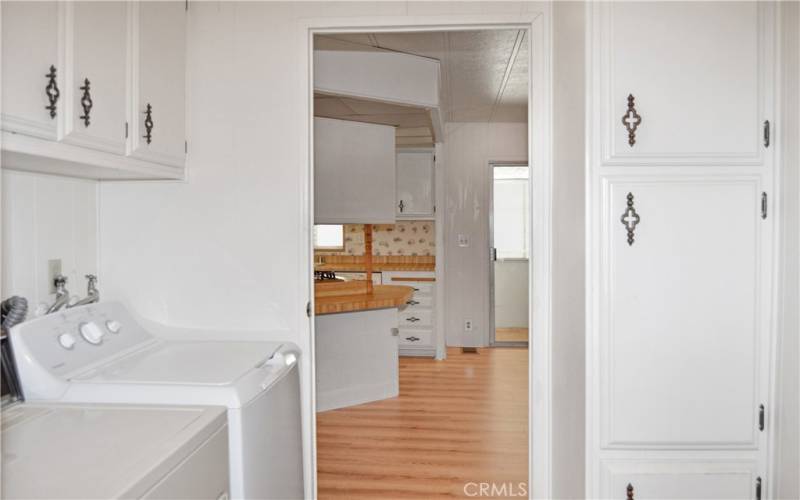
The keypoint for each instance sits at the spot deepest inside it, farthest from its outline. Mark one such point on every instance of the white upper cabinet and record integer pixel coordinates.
(415, 184)
(354, 169)
(96, 90)
(159, 60)
(109, 61)
(689, 67)
(29, 49)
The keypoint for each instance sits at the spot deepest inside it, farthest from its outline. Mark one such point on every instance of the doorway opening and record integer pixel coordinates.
(332, 425)
(509, 235)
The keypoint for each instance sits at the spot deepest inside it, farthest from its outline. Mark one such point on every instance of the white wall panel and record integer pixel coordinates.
(47, 217)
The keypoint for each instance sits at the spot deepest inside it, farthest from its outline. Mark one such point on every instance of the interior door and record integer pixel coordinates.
(96, 94)
(510, 253)
(159, 54)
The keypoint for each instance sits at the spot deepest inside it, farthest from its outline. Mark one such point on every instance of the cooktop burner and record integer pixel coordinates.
(324, 275)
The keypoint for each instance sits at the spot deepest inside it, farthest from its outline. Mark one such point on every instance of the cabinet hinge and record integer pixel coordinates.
(126, 130)
(764, 205)
(761, 417)
(308, 309)
(758, 488)
(186, 147)
(766, 133)
(187, 5)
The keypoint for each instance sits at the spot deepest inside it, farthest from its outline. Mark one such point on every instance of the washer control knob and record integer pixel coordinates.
(66, 340)
(113, 326)
(91, 333)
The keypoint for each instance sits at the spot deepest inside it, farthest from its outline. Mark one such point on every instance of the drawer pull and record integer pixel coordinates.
(412, 339)
(412, 319)
(416, 289)
(412, 302)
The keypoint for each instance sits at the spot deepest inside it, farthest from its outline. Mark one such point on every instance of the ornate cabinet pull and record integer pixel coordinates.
(148, 123)
(86, 102)
(412, 302)
(629, 491)
(631, 120)
(52, 91)
(412, 319)
(401, 205)
(630, 218)
(412, 339)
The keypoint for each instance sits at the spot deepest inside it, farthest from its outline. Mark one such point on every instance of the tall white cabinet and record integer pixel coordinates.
(415, 184)
(76, 81)
(680, 244)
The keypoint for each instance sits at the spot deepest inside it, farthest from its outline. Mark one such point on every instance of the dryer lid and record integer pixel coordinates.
(185, 363)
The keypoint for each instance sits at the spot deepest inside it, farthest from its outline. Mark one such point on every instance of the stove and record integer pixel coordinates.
(325, 276)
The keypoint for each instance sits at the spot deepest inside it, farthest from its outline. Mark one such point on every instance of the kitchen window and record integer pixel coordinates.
(329, 237)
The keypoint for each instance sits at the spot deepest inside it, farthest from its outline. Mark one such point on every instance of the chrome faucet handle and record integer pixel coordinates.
(59, 280)
(91, 286)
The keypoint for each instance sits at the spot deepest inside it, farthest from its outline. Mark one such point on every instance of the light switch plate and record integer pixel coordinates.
(53, 270)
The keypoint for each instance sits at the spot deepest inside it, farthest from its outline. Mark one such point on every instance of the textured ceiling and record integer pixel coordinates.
(484, 73)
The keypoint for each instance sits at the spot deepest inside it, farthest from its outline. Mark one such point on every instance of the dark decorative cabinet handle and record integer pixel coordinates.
(630, 219)
(416, 289)
(52, 91)
(412, 319)
(401, 205)
(148, 123)
(412, 302)
(412, 339)
(86, 102)
(631, 120)
(629, 491)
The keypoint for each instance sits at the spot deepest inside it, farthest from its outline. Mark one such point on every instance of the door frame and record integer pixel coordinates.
(492, 326)
(540, 141)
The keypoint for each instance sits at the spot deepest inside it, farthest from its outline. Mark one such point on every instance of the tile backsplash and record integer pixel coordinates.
(401, 238)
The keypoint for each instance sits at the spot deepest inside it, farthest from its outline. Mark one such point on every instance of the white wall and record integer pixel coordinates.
(47, 217)
(787, 421)
(568, 349)
(225, 249)
(469, 147)
(511, 293)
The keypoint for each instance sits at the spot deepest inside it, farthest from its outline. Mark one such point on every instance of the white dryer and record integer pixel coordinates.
(100, 354)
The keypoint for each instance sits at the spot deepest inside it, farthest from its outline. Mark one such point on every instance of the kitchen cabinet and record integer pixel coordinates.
(159, 61)
(680, 242)
(75, 76)
(96, 75)
(30, 47)
(417, 321)
(354, 172)
(415, 184)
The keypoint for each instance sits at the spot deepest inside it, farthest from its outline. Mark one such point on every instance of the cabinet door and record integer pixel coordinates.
(698, 75)
(651, 479)
(96, 90)
(159, 69)
(29, 49)
(415, 184)
(354, 172)
(685, 316)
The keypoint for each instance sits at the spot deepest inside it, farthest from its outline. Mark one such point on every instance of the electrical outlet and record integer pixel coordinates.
(463, 240)
(53, 270)
(467, 325)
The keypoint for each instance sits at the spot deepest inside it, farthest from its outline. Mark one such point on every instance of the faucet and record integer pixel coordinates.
(62, 295)
(92, 293)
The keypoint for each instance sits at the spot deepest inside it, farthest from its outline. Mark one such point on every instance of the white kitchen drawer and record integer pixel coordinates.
(418, 301)
(414, 318)
(422, 338)
(420, 287)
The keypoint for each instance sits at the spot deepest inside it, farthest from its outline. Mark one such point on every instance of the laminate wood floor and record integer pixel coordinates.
(459, 421)
(511, 334)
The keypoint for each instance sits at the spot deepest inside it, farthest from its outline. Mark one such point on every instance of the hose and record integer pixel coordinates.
(12, 311)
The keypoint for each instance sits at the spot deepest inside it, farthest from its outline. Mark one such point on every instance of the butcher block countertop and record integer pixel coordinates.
(381, 297)
(380, 263)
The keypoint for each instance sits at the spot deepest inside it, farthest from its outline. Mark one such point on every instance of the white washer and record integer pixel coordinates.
(100, 353)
